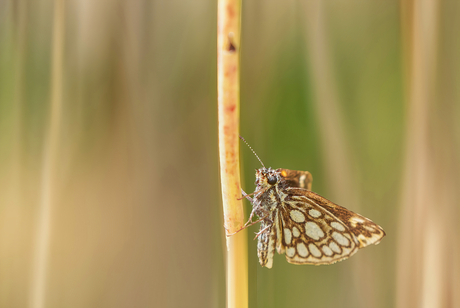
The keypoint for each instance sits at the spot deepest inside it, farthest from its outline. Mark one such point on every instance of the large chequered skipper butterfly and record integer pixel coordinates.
(308, 228)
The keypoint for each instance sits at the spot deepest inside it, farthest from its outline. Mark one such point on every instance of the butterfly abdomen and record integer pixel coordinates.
(266, 244)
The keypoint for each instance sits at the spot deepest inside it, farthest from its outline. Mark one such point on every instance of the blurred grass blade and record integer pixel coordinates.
(327, 104)
(421, 275)
(335, 141)
(49, 167)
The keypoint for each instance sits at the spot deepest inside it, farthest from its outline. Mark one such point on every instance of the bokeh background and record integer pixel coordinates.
(109, 180)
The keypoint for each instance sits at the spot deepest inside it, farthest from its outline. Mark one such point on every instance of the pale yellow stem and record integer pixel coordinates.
(228, 50)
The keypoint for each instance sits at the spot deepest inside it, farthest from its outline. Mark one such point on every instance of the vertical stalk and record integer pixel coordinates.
(228, 60)
(337, 153)
(327, 104)
(50, 156)
(421, 247)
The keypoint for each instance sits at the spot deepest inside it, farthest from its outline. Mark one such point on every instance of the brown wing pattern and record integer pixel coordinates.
(313, 230)
(295, 178)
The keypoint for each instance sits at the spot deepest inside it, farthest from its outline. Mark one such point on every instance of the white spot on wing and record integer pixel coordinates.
(369, 228)
(287, 236)
(337, 226)
(290, 252)
(335, 247)
(302, 250)
(357, 219)
(339, 238)
(313, 230)
(356, 240)
(295, 232)
(302, 180)
(297, 216)
(363, 239)
(314, 213)
(314, 250)
(327, 251)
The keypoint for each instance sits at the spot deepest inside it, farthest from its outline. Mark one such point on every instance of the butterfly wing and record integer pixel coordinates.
(295, 178)
(314, 230)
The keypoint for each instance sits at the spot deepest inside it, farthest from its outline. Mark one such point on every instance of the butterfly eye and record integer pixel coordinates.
(272, 180)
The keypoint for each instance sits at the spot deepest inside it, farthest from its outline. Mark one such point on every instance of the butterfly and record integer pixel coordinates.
(308, 228)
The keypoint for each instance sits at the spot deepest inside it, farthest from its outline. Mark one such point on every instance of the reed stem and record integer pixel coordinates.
(228, 60)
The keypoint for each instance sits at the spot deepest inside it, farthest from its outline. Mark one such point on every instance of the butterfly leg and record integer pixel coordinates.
(264, 229)
(245, 195)
(246, 225)
(250, 222)
(253, 209)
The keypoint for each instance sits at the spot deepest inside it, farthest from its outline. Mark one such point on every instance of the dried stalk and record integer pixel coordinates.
(228, 44)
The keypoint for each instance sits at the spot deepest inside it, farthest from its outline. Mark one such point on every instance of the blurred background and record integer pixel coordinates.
(109, 180)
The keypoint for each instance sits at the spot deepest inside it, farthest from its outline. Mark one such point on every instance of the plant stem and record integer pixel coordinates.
(228, 44)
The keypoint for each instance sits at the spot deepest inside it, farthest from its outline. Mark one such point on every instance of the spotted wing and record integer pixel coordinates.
(316, 231)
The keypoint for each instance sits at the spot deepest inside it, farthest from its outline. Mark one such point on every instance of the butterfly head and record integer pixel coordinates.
(267, 177)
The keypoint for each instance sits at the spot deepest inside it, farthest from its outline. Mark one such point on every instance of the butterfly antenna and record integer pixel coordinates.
(252, 151)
